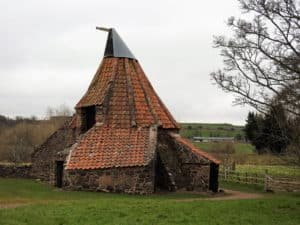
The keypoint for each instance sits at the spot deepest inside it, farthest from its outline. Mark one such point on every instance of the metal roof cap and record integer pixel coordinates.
(115, 46)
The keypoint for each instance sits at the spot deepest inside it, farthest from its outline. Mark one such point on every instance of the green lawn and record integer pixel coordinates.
(273, 170)
(244, 153)
(210, 129)
(251, 188)
(240, 148)
(47, 205)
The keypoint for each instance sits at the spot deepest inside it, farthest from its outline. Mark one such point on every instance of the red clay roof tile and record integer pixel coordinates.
(104, 147)
(121, 85)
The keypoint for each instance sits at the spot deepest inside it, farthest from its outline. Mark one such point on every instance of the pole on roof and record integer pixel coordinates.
(103, 29)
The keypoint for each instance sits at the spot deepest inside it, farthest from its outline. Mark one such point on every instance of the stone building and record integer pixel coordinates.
(122, 138)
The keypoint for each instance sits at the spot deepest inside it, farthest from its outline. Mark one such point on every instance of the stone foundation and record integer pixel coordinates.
(133, 180)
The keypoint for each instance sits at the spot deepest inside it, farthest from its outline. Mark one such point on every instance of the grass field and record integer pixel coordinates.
(247, 161)
(210, 129)
(44, 205)
(240, 148)
(274, 170)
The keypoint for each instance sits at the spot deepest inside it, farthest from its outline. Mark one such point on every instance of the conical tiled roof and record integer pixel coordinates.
(130, 112)
(122, 88)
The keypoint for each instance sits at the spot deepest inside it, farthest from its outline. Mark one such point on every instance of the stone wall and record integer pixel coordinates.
(15, 171)
(44, 157)
(134, 180)
(198, 176)
(184, 168)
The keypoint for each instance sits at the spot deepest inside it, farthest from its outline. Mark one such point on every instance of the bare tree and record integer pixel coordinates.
(50, 111)
(262, 58)
(61, 110)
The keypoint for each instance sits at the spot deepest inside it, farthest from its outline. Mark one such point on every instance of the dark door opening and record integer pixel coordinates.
(213, 177)
(164, 180)
(160, 175)
(59, 173)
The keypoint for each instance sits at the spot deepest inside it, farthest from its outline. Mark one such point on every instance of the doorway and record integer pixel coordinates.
(164, 180)
(213, 177)
(59, 173)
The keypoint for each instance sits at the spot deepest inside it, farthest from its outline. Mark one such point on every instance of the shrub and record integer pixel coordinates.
(223, 148)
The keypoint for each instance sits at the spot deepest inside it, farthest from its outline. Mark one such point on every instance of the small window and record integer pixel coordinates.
(88, 117)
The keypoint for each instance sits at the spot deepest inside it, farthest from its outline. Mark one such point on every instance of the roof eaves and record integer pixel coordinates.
(196, 150)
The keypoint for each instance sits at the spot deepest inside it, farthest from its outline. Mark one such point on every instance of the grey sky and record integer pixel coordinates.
(50, 51)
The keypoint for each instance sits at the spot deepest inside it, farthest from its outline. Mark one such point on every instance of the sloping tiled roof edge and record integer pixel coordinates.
(85, 103)
(148, 151)
(196, 150)
(163, 106)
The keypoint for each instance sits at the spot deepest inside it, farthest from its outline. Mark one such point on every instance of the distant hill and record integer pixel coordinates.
(190, 130)
(6, 122)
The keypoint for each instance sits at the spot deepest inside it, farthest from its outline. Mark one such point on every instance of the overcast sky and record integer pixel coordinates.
(50, 51)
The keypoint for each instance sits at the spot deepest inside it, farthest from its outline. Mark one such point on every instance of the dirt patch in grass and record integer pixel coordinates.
(11, 205)
(226, 195)
(231, 195)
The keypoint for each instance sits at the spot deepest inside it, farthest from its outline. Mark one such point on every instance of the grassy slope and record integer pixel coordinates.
(254, 163)
(274, 170)
(240, 148)
(210, 129)
(51, 206)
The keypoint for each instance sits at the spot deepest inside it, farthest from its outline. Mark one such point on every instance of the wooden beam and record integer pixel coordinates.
(103, 29)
